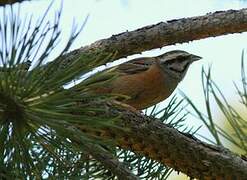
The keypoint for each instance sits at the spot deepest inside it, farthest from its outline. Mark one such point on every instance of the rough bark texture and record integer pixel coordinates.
(165, 33)
(182, 152)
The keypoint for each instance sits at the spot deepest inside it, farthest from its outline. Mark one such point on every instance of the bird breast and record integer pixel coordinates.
(146, 88)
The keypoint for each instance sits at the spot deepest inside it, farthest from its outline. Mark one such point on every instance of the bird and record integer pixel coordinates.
(147, 81)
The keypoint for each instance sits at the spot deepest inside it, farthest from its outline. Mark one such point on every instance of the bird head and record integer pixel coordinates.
(177, 62)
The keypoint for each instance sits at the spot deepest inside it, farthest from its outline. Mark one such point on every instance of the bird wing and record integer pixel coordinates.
(135, 66)
(128, 68)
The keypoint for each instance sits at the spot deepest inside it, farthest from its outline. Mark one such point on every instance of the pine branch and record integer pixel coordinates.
(164, 34)
(110, 162)
(151, 138)
(236, 133)
(48, 105)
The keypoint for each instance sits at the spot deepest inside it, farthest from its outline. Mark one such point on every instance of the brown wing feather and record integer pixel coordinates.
(136, 65)
(102, 82)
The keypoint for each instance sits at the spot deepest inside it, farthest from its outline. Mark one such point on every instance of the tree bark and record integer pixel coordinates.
(163, 34)
(182, 152)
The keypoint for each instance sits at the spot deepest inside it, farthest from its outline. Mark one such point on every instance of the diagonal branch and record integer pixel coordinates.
(152, 138)
(163, 34)
(110, 162)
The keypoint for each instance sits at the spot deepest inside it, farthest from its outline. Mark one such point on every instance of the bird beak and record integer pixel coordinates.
(195, 57)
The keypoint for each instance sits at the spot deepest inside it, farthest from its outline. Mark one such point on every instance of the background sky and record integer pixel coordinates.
(108, 17)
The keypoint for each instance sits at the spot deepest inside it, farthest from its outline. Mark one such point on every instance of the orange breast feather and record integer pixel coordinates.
(144, 89)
